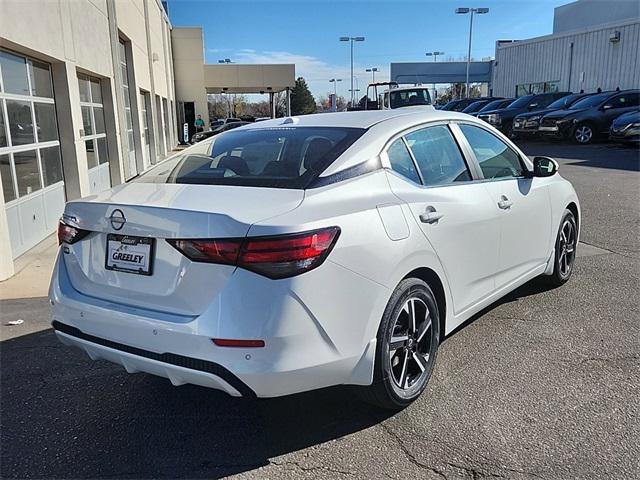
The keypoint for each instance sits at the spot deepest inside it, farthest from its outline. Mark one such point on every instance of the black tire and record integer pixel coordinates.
(583, 134)
(385, 390)
(565, 251)
(509, 133)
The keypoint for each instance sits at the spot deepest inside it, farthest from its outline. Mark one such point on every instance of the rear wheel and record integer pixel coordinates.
(565, 250)
(407, 346)
(583, 134)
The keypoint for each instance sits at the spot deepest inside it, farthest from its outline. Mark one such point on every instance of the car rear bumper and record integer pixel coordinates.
(301, 352)
(178, 369)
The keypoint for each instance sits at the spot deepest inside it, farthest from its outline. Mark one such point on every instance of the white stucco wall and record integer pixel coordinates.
(78, 36)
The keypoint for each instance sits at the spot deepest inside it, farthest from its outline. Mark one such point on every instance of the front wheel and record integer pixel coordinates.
(583, 134)
(407, 346)
(565, 250)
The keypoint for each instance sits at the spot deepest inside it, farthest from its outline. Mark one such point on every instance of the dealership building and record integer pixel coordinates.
(93, 93)
(594, 45)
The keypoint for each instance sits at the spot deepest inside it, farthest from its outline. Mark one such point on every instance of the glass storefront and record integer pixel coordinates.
(30, 157)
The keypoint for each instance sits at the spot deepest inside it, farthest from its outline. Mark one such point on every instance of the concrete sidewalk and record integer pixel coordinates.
(33, 272)
(24, 296)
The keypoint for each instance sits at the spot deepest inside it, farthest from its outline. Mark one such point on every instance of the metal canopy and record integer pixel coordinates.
(249, 78)
(441, 72)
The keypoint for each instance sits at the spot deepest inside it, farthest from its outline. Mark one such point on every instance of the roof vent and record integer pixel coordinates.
(290, 121)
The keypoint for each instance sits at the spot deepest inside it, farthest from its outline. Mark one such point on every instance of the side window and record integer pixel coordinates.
(496, 159)
(401, 161)
(625, 100)
(438, 156)
(545, 100)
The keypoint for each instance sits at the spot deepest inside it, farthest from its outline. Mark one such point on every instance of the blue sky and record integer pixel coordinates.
(306, 32)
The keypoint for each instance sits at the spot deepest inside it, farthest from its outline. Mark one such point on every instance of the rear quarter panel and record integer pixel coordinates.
(364, 247)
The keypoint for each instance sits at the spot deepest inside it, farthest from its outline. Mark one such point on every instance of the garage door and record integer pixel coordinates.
(30, 160)
(94, 133)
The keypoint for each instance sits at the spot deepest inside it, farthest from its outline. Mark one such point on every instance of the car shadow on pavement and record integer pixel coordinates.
(65, 416)
(532, 287)
(600, 155)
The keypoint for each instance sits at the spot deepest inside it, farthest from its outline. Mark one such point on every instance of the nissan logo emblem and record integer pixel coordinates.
(117, 219)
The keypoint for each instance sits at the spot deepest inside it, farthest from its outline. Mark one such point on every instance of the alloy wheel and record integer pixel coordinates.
(583, 134)
(567, 248)
(410, 345)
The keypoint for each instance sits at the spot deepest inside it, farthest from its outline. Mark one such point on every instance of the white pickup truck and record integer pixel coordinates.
(396, 96)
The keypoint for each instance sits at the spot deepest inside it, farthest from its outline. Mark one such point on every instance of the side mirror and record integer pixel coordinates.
(544, 167)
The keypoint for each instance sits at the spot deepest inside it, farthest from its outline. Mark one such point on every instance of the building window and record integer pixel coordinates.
(95, 133)
(127, 137)
(172, 125)
(30, 157)
(160, 120)
(167, 127)
(145, 114)
(537, 88)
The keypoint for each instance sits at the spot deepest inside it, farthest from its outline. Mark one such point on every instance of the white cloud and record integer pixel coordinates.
(315, 71)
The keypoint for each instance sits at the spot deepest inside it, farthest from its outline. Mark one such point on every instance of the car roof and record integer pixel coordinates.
(357, 119)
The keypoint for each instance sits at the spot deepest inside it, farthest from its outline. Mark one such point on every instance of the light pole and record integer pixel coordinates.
(373, 71)
(335, 93)
(352, 39)
(335, 86)
(464, 11)
(354, 98)
(435, 60)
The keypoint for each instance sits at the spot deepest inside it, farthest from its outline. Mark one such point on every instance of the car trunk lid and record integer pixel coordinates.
(159, 212)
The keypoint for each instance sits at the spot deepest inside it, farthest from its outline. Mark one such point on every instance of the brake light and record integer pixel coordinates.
(275, 257)
(69, 234)
(211, 251)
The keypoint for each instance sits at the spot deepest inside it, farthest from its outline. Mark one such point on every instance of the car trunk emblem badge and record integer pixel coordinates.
(117, 219)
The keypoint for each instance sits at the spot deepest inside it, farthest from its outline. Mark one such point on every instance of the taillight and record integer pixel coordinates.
(274, 257)
(69, 234)
(211, 251)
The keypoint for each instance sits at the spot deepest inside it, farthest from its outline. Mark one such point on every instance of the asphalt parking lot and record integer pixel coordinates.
(544, 385)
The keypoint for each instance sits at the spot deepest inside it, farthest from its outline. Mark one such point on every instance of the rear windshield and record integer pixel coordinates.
(405, 98)
(287, 157)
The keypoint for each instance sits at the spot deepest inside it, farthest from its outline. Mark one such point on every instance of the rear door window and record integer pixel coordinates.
(438, 156)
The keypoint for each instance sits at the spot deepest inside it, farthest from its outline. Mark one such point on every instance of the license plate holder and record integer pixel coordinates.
(129, 254)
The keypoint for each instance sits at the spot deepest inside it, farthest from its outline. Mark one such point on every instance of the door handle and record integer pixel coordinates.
(504, 203)
(430, 215)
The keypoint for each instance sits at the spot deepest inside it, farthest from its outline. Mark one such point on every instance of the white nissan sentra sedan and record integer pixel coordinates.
(300, 253)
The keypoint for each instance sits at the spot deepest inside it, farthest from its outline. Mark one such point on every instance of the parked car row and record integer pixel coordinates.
(228, 124)
(581, 117)
(591, 117)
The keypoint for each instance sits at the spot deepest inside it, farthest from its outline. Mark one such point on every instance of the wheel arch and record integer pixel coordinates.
(574, 209)
(431, 278)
